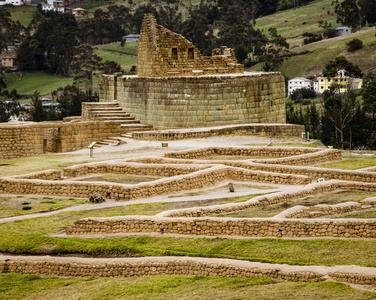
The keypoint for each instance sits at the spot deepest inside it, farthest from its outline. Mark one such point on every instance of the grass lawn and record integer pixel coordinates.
(13, 205)
(35, 163)
(29, 82)
(15, 286)
(23, 14)
(370, 214)
(122, 178)
(293, 23)
(352, 164)
(29, 236)
(126, 56)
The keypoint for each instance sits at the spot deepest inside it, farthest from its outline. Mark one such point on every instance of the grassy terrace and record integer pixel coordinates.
(126, 56)
(32, 239)
(13, 286)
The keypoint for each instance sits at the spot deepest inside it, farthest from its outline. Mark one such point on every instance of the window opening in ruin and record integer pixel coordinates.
(174, 53)
(191, 54)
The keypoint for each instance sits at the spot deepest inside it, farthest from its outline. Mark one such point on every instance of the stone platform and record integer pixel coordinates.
(199, 101)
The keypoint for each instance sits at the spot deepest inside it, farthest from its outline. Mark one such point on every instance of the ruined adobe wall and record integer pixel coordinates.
(156, 57)
(189, 102)
(20, 140)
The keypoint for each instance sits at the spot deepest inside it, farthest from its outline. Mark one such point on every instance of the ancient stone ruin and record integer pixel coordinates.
(164, 53)
(176, 87)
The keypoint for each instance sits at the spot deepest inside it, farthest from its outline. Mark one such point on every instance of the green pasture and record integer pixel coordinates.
(15, 286)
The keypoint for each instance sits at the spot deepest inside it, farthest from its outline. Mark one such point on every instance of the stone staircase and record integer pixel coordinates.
(111, 111)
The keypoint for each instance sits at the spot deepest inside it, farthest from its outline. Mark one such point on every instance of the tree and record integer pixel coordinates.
(52, 44)
(110, 67)
(86, 63)
(340, 109)
(354, 44)
(356, 13)
(332, 67)
(37, 112)
(369, 94)
(11, 31)
(272, 53)
(71, 98)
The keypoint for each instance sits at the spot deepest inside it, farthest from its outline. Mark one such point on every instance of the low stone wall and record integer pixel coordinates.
(20, 139)
(240, 151)
(279, 197)
(198, 179)
(253, 227)
(287, 156)
(264, 130)
(317, 211)
(131, 168)
(27, 138)
(151, 266)
(313, 172)
(44, 175)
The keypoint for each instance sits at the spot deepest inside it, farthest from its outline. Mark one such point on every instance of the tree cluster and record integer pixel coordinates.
(345, 120)
(356, 13)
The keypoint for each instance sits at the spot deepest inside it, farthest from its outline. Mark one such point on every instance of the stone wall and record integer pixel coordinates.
(162, 53)
(252, 227)
(203, 101)
(264, 130)
(44, 175)
(27, 138)
(151, 266)
(131, 168)
(279, 197)
(20, 139)
(198, 179)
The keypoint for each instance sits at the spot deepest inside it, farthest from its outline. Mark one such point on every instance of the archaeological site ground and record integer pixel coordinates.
(208, 193)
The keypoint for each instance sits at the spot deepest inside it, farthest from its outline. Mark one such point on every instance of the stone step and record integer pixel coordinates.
(105, 109)
(102, 104)
(133, 126)
(125, 119)
(127, 135)
(114, 114)
(126, 122)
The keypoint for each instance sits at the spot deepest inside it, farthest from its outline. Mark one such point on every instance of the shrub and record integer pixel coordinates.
(26, 208)
(354, 45)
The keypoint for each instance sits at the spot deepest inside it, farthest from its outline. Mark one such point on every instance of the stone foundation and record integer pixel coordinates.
(200, 101)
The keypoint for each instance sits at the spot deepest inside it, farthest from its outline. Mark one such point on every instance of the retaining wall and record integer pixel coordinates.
(252, 227)
(279, 197)
(264, 130)
(20, 139)
(199, 101)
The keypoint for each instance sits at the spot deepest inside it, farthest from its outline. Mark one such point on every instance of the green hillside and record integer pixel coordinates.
(294, 22)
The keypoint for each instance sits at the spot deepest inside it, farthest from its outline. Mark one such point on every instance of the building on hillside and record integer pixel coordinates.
(342, 31)
(131, 38)
(298, 83)
(344, 82)
(12, 2)
(78, 12)
(9, 61)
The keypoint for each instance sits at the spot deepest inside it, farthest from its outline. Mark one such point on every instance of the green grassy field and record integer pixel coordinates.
(353, 163)
(14, 286)
(293, 23)
(126, 56)
(29, 82)
(23, 14)
(30, 236)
